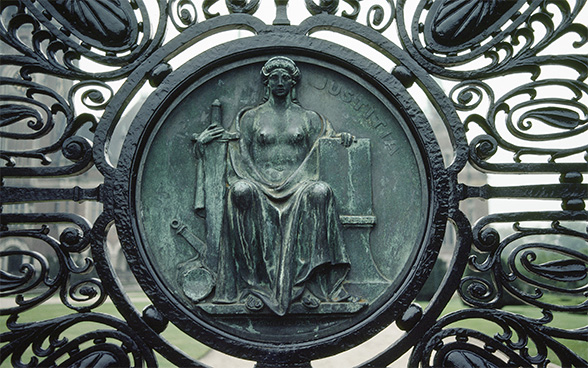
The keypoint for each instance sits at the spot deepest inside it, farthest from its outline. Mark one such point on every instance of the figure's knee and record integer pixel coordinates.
(242, 194)
(319, 192)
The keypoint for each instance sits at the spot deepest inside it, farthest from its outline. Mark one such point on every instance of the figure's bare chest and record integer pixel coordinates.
(280, 129)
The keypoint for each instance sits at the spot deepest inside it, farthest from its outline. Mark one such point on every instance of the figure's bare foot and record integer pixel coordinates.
(253, 303)
(310, 301)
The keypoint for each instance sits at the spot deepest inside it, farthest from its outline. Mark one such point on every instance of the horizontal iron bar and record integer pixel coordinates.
(21, 195)
(547, 191)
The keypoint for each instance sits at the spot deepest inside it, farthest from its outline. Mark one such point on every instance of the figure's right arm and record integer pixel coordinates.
(209, 134)
(246, 127)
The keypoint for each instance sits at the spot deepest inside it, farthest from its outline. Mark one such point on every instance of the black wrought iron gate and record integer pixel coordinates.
(467, 119)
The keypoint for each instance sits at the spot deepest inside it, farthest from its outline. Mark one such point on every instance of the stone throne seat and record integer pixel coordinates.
(348, 171)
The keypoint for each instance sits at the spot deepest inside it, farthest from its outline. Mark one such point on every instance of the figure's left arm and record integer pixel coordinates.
(327, 131)
(346, 138)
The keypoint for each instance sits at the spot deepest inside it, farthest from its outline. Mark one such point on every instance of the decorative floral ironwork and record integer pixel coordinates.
(539, 118)
(65, 32)
(446, 346)
(33, 274)
(70, 71)
(33, 116)
(481, 30)
(515, 266)
(115, 345)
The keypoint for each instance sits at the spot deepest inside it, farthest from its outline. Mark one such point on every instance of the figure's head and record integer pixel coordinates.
(280, 75)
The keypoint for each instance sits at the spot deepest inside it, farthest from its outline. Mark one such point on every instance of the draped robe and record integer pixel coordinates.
(276, 240)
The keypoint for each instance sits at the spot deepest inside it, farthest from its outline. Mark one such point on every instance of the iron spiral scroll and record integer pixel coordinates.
(483, 93)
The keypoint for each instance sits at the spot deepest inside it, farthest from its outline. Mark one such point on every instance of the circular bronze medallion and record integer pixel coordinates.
(281, 202)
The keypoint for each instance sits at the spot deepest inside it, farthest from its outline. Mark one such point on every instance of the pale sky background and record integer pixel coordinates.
(297, 12)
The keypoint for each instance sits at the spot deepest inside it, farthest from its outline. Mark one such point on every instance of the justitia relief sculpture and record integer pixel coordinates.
(273, 227)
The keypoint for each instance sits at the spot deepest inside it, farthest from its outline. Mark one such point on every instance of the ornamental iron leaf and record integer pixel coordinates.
(459, 22)
(557, 117)
(565, 270)
(110, 23)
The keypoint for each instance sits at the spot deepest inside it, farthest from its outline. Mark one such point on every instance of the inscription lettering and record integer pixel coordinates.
(348, 97)
(358, 104)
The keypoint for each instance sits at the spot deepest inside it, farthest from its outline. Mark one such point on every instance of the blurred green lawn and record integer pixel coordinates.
(52, 310)
(197, 350)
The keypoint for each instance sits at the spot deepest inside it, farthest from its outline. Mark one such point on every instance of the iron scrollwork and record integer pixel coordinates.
(116, 344)
(458, 346)
(71, 72)
(566, 267)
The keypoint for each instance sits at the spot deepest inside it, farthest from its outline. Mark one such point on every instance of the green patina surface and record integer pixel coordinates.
(378, 183)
